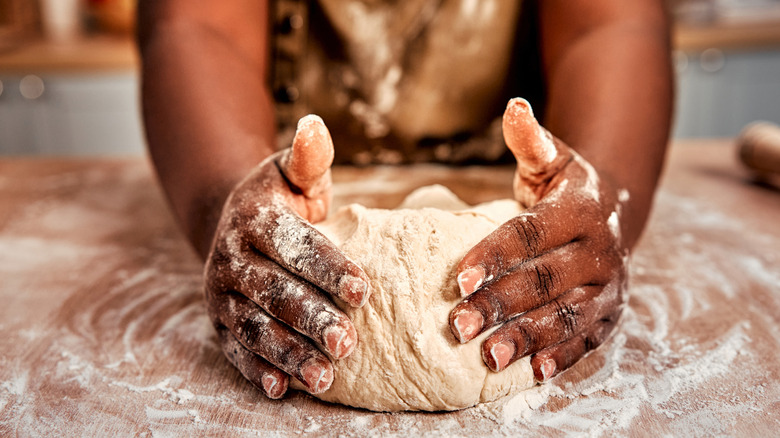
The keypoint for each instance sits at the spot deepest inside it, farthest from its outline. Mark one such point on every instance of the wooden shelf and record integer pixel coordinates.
(89, 54)
(110, 53)
(737, 36)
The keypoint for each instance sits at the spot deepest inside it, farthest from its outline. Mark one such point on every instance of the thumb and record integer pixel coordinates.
(539, 157)
(532, 145)
(306, 165)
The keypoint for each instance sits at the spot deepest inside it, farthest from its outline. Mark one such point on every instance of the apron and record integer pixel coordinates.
(397, 81)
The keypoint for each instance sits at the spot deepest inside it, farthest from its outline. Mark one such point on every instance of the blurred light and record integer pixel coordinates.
(290, 23)
(296, 21)
(31, 87)
(712, 60)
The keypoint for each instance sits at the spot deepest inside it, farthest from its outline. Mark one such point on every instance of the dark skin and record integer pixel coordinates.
(553, 278)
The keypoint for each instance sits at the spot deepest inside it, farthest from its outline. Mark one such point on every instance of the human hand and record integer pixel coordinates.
(553, 277)
(269, 272)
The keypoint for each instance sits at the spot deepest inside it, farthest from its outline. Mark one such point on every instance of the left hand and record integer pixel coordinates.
(554, 276)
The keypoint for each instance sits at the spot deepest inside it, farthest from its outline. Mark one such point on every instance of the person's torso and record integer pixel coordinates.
(397, 81)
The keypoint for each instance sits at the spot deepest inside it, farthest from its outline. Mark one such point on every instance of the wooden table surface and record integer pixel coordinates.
(103, 330)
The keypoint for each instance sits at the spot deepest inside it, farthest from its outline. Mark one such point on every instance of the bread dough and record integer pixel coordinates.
(406, 357)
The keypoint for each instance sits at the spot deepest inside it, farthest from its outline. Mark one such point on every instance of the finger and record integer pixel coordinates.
(298, 304)
(540, 229)
(306, 165)
(530, 285)
(539, 157)
(259, 333)
(551, 361)
(271, 380)
(562, 319)
(532, 145)
(295, 245)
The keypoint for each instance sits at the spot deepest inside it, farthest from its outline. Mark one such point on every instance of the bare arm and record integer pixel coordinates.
(554, 277)
(207, 110)
(209, 122)
(610, 91)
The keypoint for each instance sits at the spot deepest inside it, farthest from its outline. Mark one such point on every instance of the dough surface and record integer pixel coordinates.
(406, 357)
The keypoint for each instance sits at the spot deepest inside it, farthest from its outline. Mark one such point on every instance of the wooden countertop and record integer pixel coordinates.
(103, 330)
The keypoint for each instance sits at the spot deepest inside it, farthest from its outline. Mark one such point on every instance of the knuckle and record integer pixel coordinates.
(293, 243)
(605, 327)
(237, 220)
(568, 316)
(591, 343)
(498, 311)
(544, 278)
(490, 304)
(219, 257)
(232, 353)
(526, 333)
(292, 353)
(275, 300)
(318, 320)
(280, 295)
(250, 328)
(251, 331)
(230, 347)
(611, 319)
(296, 304)
(527, 233)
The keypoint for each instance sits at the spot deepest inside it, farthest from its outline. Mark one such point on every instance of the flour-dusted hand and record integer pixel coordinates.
(269, 273)
(553, 278)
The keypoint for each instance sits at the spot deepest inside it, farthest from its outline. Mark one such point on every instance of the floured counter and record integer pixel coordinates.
(104, 331)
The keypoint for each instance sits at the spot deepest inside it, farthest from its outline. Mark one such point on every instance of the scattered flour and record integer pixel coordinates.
(157, 414)
(690, 356)
(178, 396)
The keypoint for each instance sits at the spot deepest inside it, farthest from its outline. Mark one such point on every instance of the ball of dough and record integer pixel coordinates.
(406, 357)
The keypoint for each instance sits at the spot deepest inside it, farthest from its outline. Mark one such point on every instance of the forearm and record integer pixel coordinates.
(207, 112)
(610, 98)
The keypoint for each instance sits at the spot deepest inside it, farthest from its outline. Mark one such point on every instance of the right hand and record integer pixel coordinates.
(269, 272)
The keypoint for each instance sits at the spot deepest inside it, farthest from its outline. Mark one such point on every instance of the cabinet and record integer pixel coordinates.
(89, 104)
(720, 91)
(70, 114)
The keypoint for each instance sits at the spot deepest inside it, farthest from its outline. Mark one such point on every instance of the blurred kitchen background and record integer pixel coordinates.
(69, 80)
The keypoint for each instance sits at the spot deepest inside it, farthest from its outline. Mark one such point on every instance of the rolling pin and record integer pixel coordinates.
(759, 147)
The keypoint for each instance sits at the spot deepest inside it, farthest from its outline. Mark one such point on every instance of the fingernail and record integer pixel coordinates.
(468, 323)
(338, 342)
(317, 377)
(519, 104)
(355, 290)
(470, 280)
(269, 383)
(308, 120)
(548, 369)
(502, 353)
